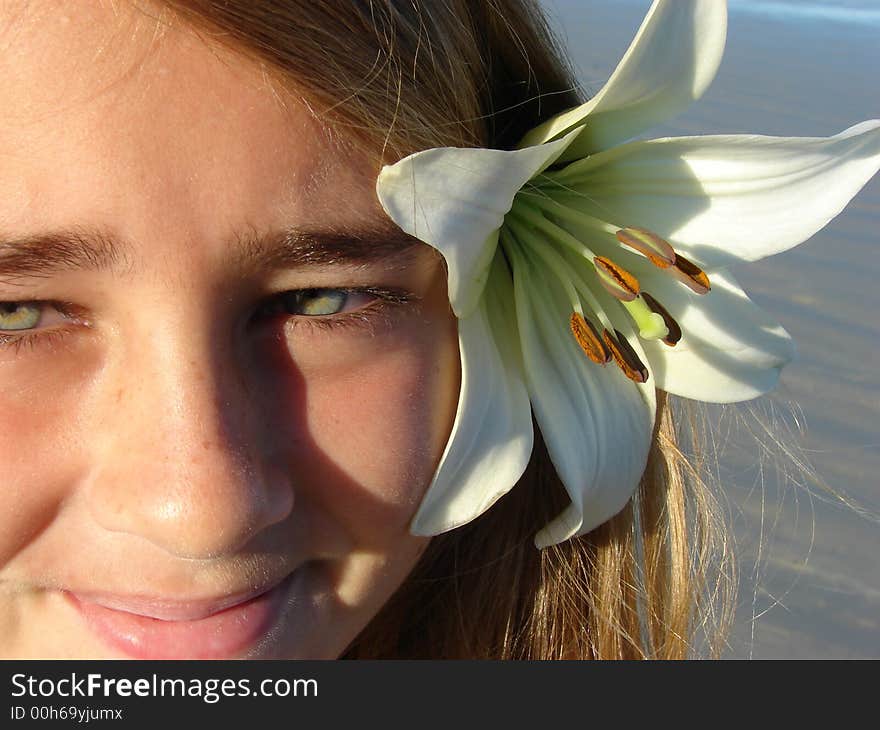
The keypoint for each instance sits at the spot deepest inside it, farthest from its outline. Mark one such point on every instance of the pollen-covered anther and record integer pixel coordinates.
(674, 334)
(588, 338)
(691, 275)
(656, 249)
(618, 282)
(625, 356)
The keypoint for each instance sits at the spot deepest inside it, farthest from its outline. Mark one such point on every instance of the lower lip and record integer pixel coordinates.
(222, 635)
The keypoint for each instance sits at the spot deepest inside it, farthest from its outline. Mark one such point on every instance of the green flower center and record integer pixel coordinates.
(539, 228)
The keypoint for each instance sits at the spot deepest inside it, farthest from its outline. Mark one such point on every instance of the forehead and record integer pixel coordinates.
(107, 117)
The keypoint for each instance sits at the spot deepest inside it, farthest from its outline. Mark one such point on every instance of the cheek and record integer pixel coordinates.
(39, 407)
(376, 432)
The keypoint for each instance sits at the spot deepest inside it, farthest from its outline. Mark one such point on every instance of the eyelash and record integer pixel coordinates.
(384, 302)
(378, 311)
(31, 339)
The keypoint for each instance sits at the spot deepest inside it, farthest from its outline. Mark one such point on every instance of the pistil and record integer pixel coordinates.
(652, 325)
(673, 329)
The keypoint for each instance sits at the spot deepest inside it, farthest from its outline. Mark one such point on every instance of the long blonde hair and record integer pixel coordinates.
(395, 76)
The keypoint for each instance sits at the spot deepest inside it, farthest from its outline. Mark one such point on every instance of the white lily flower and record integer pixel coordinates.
(617, 255)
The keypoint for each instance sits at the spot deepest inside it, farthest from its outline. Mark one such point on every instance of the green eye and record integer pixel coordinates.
(315, 302)
(19, 315)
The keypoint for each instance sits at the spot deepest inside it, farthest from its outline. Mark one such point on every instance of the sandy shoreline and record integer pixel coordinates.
(810, 571)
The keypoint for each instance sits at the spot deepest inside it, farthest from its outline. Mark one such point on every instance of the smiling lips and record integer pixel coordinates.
(161, 629)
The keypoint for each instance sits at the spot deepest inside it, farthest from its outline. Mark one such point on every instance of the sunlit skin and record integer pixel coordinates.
(173, 442)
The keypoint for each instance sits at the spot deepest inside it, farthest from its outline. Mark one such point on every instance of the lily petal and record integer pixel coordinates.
(455, 199)
(723, 199)
(731, 350)
(670, 63)
(595, 422)
(492, 436)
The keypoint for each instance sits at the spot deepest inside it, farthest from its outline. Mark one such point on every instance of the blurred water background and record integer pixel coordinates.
(809, 566)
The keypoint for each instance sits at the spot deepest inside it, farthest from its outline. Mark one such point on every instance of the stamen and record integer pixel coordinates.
(525, 212)
(588, 338)
(619, 283)
(691, 275)
(625, 356)
(658, 250)
(518, 236)
(572, 215)
(674, 334)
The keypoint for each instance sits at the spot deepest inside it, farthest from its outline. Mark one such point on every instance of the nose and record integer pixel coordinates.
(184, 459)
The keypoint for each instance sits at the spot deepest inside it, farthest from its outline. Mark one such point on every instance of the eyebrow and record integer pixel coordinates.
(46, 254)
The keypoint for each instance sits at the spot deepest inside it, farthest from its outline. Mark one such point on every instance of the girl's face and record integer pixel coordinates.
(225, 378)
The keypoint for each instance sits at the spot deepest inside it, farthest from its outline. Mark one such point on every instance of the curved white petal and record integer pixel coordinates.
(731, 350)
(491, 439)
(455, 199)
(596, 423)
(722, 199)
(670, 63)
